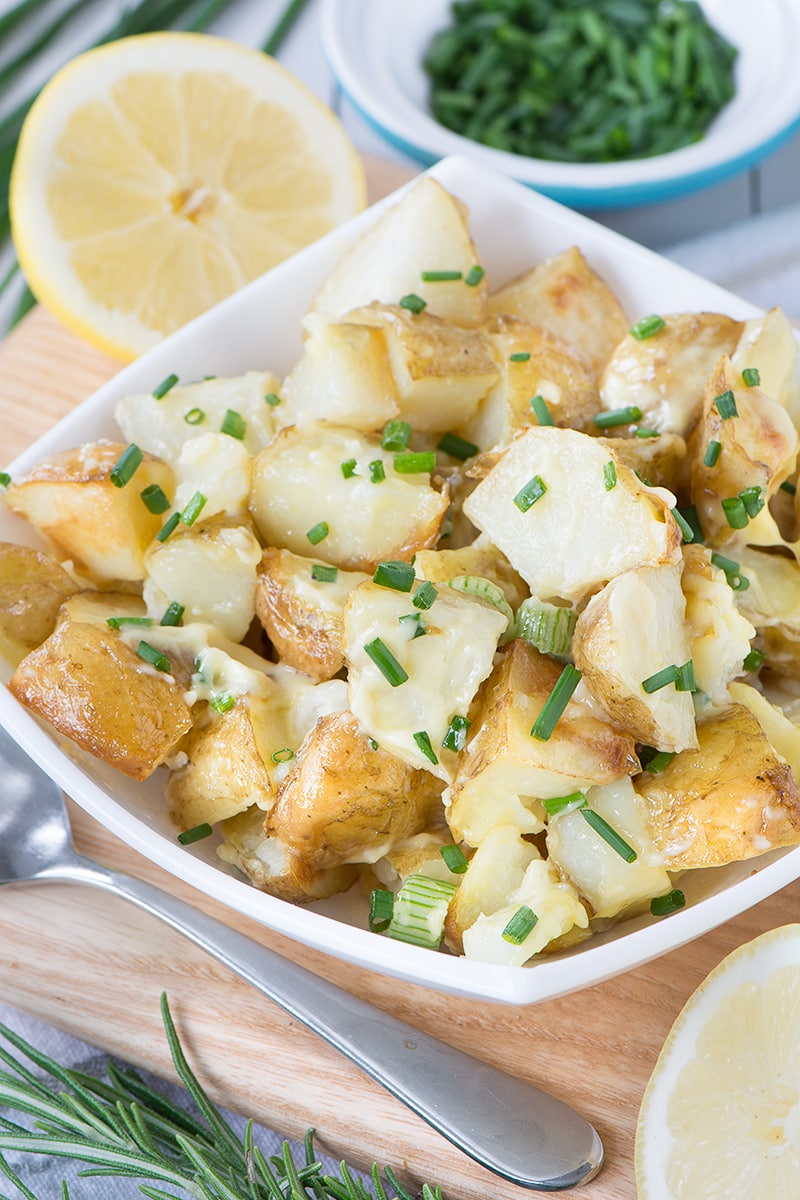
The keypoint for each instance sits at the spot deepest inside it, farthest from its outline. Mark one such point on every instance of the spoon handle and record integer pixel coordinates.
(506, 1125)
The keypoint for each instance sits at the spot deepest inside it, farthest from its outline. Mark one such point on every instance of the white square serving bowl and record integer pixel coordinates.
(259, 328)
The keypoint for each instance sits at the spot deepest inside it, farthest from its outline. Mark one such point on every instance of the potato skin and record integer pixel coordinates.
(33, 587)
(90, 686)
(346, 801)
(729, 800)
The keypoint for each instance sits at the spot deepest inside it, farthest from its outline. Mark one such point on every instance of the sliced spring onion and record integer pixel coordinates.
(165, 386)
(173, 614)
(521, 924)
(411, 463)
(660, 679)
(168, 528)
(685, 681)
(520, 356)
(156, 658)
(396, 435)
(425, 595)
(323, 573)
(484, 589)
(424, 743)
(548, 627)
(789, 487)
(527, 496)
(474, 275)
(751, 377)
(272, 399)
(440, 276)
(381, 909)
(196, 834)
(455, 859)
(711, 455)
(224, 703)
(193, 509)
(234, 424)
(662, 906)
(5, 479)
(541, 411)
(317, 533)
(126, 466)
(609, 834)
(348, 467)
(456, 737)
(647, 327)
(556, 702)
(377, 471)
(753, 660)
(726, 405)
(125, 622)
(195, 416)
(457, 447)
(733, 573)
(285, 754)
(557, 805)
(610, 475)
(413, 302)
(399, 576)
(386, 662)
(154, 498)
(735, 512)
(420, 909)
(617, 416)
(753, 500)
(415, 623)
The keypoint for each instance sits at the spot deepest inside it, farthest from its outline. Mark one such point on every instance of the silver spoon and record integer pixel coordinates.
(504, 1124)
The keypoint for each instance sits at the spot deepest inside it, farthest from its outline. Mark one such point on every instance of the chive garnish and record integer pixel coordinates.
(609, 834)
(685, 681)
(395, 435)
(618, 416)
(425, 595)
(556, 805)
(653, 760)
(457, 447)
(381, 909)
(416, 623)
(520, 356)
(272, 399)
(527, 496)
(173, 614)
(154, 498)
(126, 466)
(234, 424)
(610, 475)
(474, 275)
(660, 679)
(520, 925)
(712, 453)
(123, 622)
(735, 512)
(726, 405)
(196, 834)
(396, 575)
(753, 660)
(555, 703)
(323, 573)
(687, 533)
(689, 514)
(222, 704)
(789, 487)
(542, 412)
(373, 745)
(193, 509)
(662, 906)
(424, 742)
(169, 527)
(440, 276)
(753, 500)
(455, 859)
(195, 416)
(413, 302)
(411, 463)
(285, 754)
(733, 574)
(751, 377)
(647, 327)
(317, 533)
(156, 658)
(377, 471)
(456, 737)
(5, 479)
(348, 467)
(386, 662)
(641, 432)
(165, 386)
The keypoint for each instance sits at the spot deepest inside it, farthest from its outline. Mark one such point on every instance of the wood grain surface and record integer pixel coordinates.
(96, 967)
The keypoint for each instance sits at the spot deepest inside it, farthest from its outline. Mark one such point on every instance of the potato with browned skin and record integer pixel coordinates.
(33, 587)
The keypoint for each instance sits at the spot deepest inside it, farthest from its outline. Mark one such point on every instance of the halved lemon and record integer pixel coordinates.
(156, 175)
(720, 1118)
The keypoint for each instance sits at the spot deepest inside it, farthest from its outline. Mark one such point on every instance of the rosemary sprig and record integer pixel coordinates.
(122, 1127)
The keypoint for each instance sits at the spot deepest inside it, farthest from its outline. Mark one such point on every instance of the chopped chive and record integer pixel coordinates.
(440, 276)
(396, 575)
(154, 498)
(609, 834)
(193, 509)
(424, 742)
(474, 275)
(455, 859)
(413, 302)
(122, 622)
(373, 745)
(641, 432)
(156, 658)
(660, 679)
(733, 573)
(653, 760)
(662, 906)
(223, 704)
(317, 533)
(685, 681)
(456, 737)
(195, 416)
(206, 378)
(735, 512)
(457, 447)
(285, 754)
(416, 623)
(753, 500)
(386, 662)
(396, 435)
(712, 453)
(751, 377)
(520, 925)
(381, 909)
(753, 660)
(789, 487)
(126, 466)
(425, 595)
(165, 386)
(348, 467)
(541, 411)
(196, 834)
(610, 475)
(272, 399)
(411, 463)
(556, 805)
(377, 471)
(647, 327)
(234, 424)
(173, 614)
(617, 416)
(5, 479)
(322, 573)
(689, 514)
(687, 533)
(527, 496)
(555, 703)
(169, 527)
(726, 405)
(520, 356)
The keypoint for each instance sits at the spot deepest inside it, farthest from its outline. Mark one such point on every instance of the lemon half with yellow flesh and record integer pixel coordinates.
(720, 1118)
(158, 174)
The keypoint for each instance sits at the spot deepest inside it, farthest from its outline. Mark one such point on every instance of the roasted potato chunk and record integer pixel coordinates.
(93, 688)
(658, 461)
(33, 586)
(728, 800)
(73, 502)
(218, 467)
(769, 344)
(783, 734)
(480, 558)
(772, 604)
(719, 635)
(570, 299)
(496, 868)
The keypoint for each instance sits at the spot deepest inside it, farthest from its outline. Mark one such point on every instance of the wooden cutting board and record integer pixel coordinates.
(96, 967)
